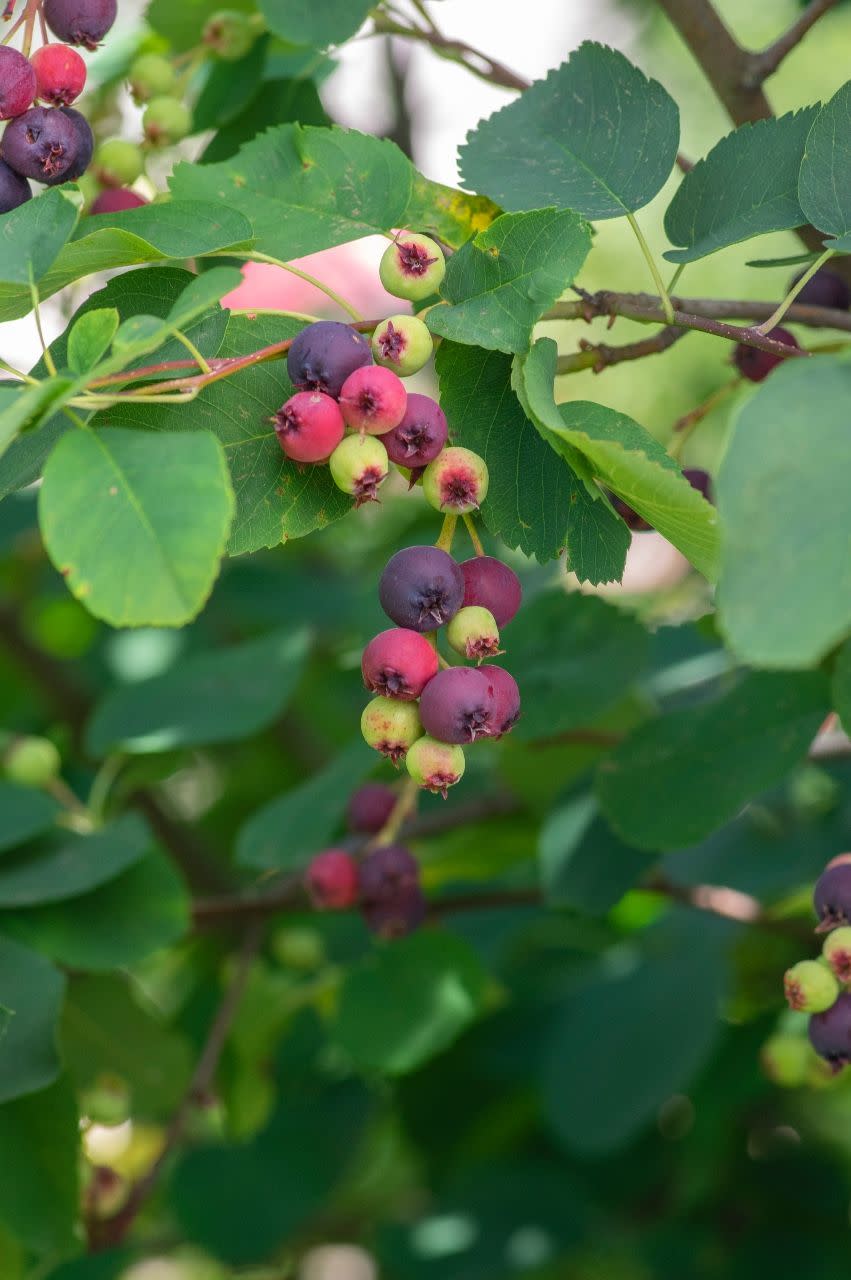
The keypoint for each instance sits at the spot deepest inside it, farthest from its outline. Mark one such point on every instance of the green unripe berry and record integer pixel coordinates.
(89, 188)
(403, 344)
(107, 1101)
(456, 482)
(299, 948)
(434, 765)
(810, 987)
(837, 953)
(787, 1060)
(118, 163)
(412, 267)
(33, 762)
(391, 726)
(166, 120)
(151, 76)
(359, 465)
(474, 634)
(229, 34)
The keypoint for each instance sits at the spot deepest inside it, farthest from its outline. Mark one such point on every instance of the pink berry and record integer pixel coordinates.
(60, 74)
(492, 585)
(421, 434)
(116, 200)
(17, 83)
(370, 807)
(398, 663)
(331, 880)
(373, 399)
(309, 426)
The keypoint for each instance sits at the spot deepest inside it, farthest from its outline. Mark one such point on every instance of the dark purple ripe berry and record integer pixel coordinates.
(399, 664)
(505, 697)
(370, 807)
(700, 480)
(756, 365)
(325, 354)
(398, 916)
(17, 83)
(391, 898)
(420, 435)
(824, 289)
(457, 705)
(86, 141)
(14, 189)
(42, 143)
(490, 584)
(421, 588)
(830, 1032)
(832, 897)
(84, 22)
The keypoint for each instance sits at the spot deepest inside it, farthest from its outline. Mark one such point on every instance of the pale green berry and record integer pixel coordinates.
(810, 987)
(151, 76)
(230, 34)
(117, 163)
(412, 267)
(166, 121)
(359, 465)
(434, 765)
(456, 482)
(787, 1060)
(474, 634)
(106, 1101)
(391, 726)
(298, 948)
(837, 953)
(403, 344)
(33, 762)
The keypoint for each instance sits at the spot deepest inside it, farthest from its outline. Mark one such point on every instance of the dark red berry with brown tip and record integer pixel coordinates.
(388, 876)
(331, 880)
(86, 141)
(412, 267)
(399, 663)
(397, 916)
(505, 699)
(373, 399)
(17, 83)
(492, 585)
(421, 434)
(830, 1032)
(457, 705)
(309, 426)
(756, 365)
(824, 289)
(14, 190)
(42, 144)
(421, 588)
(84, 22)
(832, 897)
(325, 354)
(60, 74)
(370, 807)
(116, 200)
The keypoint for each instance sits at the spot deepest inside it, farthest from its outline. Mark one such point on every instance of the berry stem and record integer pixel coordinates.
(447, 533)
(29, 15)
(63, 794)
(777, 316)
(254, 256)
(654, 270)
(685, 426)
(48, 358)
(193, 350)
(474, 537)
(399, 814)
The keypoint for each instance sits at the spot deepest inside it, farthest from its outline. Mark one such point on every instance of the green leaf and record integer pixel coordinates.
(275, 500)
(220, 696)
(824, 184)
(202, 293)
(784, 511)
(24, 813)
(181, 24)
(66, 864)
(229, 87)
(31, 990)
(407, 1002)
(574, 657)
(39, 1140)
(842, 685)
(274, 102)
(27, 407)
(136, 522)
(90, 338)
(452, 215)
(305, 189)
(32, 235)
(746, 186)
(500, 283)
(596, 136)
(625, 1044)
(115, 925)
(713, 757)
(305, 22)
(620, 454)
(287, 830)
(172, 229)
(583, 864)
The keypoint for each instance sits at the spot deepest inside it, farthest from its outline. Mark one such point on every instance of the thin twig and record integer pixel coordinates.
(478, 63)
(763, 64)
(600, 356)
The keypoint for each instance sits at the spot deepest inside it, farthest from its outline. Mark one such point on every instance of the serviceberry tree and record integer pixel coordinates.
(423, 765)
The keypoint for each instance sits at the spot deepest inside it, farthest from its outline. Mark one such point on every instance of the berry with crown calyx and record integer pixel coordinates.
(309, 426)
(324, 354)
(810, 987)
(420, 436)
(505, 700)
(457, 705)
(60, 74)
(832, 894)
(229, 34)
(42, 144)
(84, 22)
(421, 588)
(412, 267)
(474, 634)
(435, 766)
(456, 482)
(166, 120)
(85, 149)
(391, 726)
(398, 663)
(373, 399)
(837, 953)
(359, 465)
(403, 344)
(830, 1032)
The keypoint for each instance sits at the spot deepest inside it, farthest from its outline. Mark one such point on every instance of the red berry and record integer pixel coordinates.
(457, 705)
(398, 663)
(116, 200)
(492, 585)
(373, 399)
(309, 426)
(505, 697)
(331, 880)
(421, 434)
(370, 807)
(17, 83)
(756, 365)
(60, 74)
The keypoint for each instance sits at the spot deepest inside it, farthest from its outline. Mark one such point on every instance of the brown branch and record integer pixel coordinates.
(600, 356)
(110, 1232)
(763, 64)
(472, 59)
(721, 58)
(729, 904)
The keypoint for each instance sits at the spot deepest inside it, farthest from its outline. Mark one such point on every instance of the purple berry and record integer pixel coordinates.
(756, 365)
(421, 588)
(324, 354)
(370, 807)
(421, 434)
(86, 140)
(17, 83)
(392, 901)
(42, 144)
(331, 880)
(398, 916)
(373, 399)
(116, 200)
(832, 896)
(412, 267)
(398, 663)
(14, 189)
(457, 705)
(824, 289)
(84, 22)
(700, 480)
(309, 426)
(830, 1032)
(505, 697)
(492, 585)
